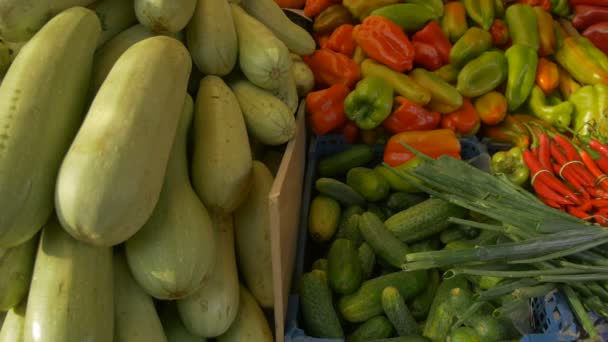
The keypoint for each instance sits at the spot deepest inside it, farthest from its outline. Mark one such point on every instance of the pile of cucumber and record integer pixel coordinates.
(361, 229)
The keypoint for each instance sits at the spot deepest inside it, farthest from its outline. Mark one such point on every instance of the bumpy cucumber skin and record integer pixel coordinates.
(398, 313)
(344, 267)
(376, 327)
(339, 163)
(382, 241)
(339, 191)
(323, 218)
(320, 317)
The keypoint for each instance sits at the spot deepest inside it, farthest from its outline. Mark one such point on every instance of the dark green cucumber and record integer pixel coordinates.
(426, 245)
(368, 260)
(368, 183)
(367, 301)
(382, 212)
(423, 220)
(320, 264)
(460, 299)
(420, 305)
(382, 241)
(339, 191)
(441, 315)
(339, 163)
(489, 328)
(463, 334)
(398, 313)
(409, 338)
(376, 327)
(399, 201)
(323, 218)
(344, 267)
(320, 317)
(349, 226)
(458, 232)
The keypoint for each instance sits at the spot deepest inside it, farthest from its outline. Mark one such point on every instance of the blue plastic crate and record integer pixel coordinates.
(552, 318)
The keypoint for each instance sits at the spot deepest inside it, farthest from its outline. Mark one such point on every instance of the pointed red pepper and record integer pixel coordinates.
(433, 34)
(326, 108)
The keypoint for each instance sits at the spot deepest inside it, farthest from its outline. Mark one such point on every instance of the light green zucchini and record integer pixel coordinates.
(164, 16)
(135, 317)
(268, 119)
(21, 19)
(288, 92)
(270, 14)
(108, 54)
(211, 309)
(305, 79)
(16, 266)
(252, 234)
(120, 153)
(5, 58)
(250, 323)
(115, 16)
(42, 103)
(173, 326)
(263, 58)
(211, 37)
(175, 250)
(12, 327)
(221, 161)
(71, 297)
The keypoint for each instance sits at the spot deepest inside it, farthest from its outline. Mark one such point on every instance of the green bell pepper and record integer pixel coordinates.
(472, 44)
(522, 61)
(590, 110)
(370, 103)
(560, 8)
(511, 164)
(551, 110)
(522, 24)
(445, 98)
(482, 74)
(480, 11)
(448, 73)
(411, 17)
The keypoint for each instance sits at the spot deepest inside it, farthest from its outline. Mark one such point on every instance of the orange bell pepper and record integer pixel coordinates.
(341, 40)
(312, 8)
(433, 143)
(492, 107)
(386, 42)
(410, 116)
(330, 67)
(465, 121)
(547, 75)
(326, 108)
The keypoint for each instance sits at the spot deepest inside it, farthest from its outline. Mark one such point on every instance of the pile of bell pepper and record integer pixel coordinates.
(428, 72)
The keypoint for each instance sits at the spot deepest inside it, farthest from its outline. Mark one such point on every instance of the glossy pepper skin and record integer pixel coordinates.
(589, 2)
(370, 103)
(385, 41)
(402, 84)
(510, 131)
(547, 75)
(561, 8)
(445, 98)
(312, 8)
(360, 9)
(567, 85)
(341, 40)
(464, 122)
(499, 32)
(522, 61)
(546, 32)
(410, 116)
(330, 67)
(454, 20)
(480, 11)
(433, 35)
(590, 110)
(482, 74)
(433, 143)
(472, 44)
(586, 63)
(434, 5)
(511, 164)
(586, 15)
(426, 56)
(598, 35)
(331, 18)
(410, 17)
(326, 108)
(492, 107)
(553, 111)
(523, 26)
(448, 73)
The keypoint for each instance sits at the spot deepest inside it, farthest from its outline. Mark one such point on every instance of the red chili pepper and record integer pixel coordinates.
(500, 33)
(579, 213)
(568, 173)
(312, 8)
(597, 193)
(386, 42)
(572, 155)
(327, 108)
(341, 40)
(586, 15)
(550, 203)
(541, 175)
(427, 56)
(544, 151)
(433, 35)
(603, 151)
(331, 68)
(599, 203)
(546, 193)
(350, 131)
(600, 177)
(410, 116)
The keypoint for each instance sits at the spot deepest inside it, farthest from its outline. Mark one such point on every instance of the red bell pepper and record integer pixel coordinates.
(427, 56)
(312, 8)
(598, 35)
(350, 132)
(330, 67)
(586, 15)
(589, 2)
(321, 38)
(544, 4)
(500, 33)
(465, 121)
(410, 116)
(386, 42)
(326, 108)
(432, 34)
(341, 40)
(433, 143)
